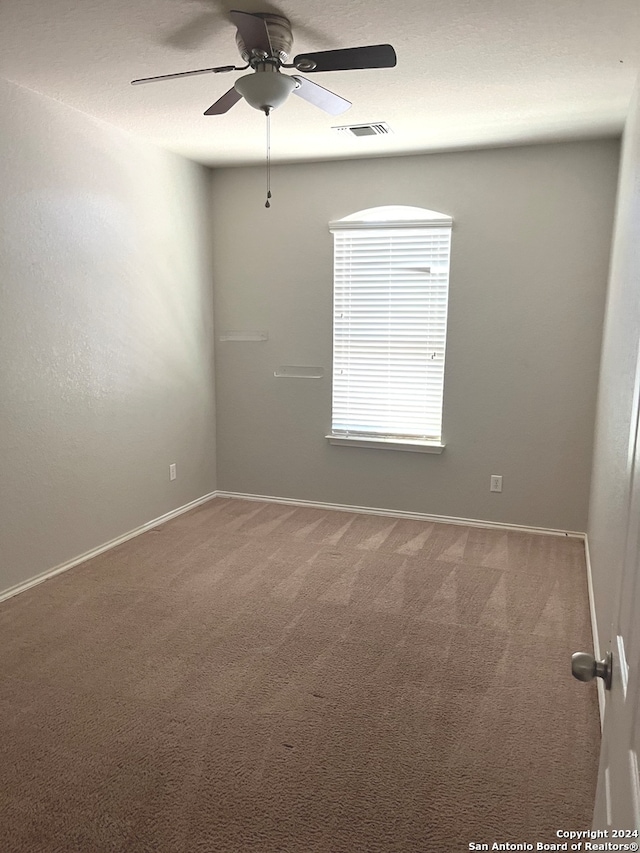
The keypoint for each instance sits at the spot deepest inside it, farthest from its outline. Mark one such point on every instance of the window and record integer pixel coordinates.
(391, 281)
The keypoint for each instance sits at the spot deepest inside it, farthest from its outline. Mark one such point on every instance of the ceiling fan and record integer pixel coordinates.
(264, 41)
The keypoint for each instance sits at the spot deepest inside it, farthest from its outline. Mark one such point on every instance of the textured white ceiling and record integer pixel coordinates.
(483, 73)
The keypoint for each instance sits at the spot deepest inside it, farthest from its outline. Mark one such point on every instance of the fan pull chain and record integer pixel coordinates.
(268, 203)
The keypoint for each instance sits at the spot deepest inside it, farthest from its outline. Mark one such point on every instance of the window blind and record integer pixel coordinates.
(389, 332)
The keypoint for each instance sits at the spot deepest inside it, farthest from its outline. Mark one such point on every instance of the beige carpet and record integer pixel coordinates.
(256, 677)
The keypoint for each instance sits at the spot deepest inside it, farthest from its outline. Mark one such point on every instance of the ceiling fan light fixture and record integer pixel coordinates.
(265, 91)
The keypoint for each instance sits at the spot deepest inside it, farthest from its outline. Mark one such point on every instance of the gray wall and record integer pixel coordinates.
(619, 378)
(531, 241)
(106, 341)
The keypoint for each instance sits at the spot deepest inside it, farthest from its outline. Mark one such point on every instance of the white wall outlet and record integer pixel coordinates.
(172, 471)
(496, 483)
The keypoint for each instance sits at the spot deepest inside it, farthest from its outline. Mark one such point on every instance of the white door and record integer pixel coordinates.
(617, 806)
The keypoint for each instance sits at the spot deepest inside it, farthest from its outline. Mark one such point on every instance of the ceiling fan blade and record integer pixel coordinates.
(220, 70)
(253, 31)
(373, 56)
(224, 104)
(320, 97)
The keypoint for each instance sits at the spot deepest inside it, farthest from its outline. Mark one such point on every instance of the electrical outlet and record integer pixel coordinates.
(496, 483)
(172, 471)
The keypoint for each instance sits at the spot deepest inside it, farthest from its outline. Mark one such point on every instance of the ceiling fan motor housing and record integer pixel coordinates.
(280, 36)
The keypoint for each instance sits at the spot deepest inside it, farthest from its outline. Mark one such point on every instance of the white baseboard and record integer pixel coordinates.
(418, 516)
(63, 567)
(594, 629)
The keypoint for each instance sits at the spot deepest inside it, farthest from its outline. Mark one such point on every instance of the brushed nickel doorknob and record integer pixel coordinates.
(585, 667)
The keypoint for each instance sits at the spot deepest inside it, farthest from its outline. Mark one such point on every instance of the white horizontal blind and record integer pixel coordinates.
(389, 332)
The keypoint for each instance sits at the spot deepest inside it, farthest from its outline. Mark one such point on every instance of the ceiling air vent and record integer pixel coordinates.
(377, 129)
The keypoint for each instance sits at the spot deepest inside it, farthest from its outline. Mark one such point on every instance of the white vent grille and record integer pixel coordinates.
(380, 128)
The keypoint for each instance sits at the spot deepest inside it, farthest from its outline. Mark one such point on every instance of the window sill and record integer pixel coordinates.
(386, 443)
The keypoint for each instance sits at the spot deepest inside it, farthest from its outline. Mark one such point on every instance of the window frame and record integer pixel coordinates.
(390, 217)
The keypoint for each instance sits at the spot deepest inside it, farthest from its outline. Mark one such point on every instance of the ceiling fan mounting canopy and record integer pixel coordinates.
(264, 41)
(279, 34)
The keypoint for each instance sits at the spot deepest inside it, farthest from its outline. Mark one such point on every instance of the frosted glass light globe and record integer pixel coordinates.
(265, 91)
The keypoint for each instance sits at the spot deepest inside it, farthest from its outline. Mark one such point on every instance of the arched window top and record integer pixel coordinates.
(393, 215)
